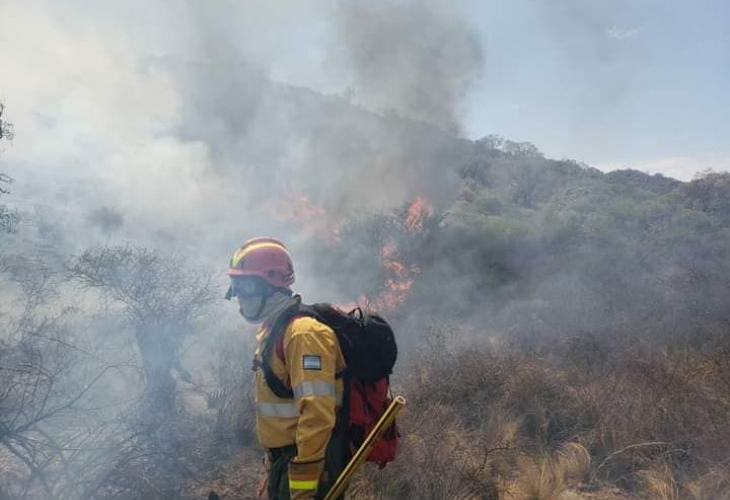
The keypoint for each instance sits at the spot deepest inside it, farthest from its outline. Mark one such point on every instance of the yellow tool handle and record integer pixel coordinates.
(366, 447)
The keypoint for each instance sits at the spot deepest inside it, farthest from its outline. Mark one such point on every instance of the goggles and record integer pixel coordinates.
(250, 286)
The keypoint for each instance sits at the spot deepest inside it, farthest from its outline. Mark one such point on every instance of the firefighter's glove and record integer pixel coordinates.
(304, 479)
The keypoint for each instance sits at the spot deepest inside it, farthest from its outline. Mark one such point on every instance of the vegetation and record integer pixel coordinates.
(564, 335)
(586, 312)
(7, 217)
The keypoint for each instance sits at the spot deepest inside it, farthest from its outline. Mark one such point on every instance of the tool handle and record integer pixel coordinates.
(366, 447)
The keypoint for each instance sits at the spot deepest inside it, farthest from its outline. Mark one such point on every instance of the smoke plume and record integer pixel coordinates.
(413, 57)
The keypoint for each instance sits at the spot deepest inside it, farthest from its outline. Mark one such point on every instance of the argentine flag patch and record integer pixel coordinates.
(311, 362)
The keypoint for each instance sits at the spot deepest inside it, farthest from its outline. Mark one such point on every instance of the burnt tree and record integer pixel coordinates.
(160, 297)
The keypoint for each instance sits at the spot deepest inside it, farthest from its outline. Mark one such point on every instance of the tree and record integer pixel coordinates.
(50, 423)
(7, 217)
(160, 297)
(6, 129)
(522, 149)
(528, 181)
(709, 192)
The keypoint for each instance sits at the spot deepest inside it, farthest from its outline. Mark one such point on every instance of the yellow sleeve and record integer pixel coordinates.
(311, 357)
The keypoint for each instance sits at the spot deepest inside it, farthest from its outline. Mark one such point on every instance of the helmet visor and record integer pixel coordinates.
(250, 286)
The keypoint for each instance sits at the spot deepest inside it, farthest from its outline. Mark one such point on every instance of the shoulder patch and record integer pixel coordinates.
(312, 362)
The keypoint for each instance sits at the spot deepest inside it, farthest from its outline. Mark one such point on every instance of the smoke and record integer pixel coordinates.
(170, 117)
(412, 57)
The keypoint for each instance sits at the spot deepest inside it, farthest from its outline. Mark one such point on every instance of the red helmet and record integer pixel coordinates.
(266, 258)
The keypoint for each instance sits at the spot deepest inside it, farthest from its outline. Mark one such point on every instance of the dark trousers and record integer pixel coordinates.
(336, 458)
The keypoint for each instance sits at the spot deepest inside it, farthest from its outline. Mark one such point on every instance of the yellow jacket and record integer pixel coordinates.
(312, 359)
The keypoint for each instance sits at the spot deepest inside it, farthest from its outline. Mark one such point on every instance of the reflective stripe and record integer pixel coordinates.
(302, 485)
(281, 410)
(244, 251)
(318, 388)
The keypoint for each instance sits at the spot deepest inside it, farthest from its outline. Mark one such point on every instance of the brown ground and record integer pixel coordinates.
(235, 479)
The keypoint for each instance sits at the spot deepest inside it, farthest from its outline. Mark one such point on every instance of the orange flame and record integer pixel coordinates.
(398, 281)
(398, 276)
(417, 212)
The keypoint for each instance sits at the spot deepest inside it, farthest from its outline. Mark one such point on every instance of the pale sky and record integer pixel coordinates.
(610, 82)
(613, 83)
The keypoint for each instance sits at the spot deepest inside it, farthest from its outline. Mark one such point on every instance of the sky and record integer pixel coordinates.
(613, 83)
(610, 82)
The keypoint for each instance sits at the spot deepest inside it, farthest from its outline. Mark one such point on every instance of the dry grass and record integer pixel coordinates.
(540, 479)
(566, 427)
(715, 485)
(492, 424)
(234, 480)
(575, 461)
(659, 484)
(548, 476)
(438, 464)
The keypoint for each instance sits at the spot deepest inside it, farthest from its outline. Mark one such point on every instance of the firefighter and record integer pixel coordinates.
(303, 437)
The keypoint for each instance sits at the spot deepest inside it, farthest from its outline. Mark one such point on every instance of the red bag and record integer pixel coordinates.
(368, 402)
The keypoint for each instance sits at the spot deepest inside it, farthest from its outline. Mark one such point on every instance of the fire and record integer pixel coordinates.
(398, 280)
(398, 275)
(417, 212)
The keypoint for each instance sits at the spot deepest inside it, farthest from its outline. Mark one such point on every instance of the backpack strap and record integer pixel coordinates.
(278, 329)
(279, 347)
(275, 342)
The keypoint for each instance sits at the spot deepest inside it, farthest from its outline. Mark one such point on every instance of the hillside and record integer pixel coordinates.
(563, 331)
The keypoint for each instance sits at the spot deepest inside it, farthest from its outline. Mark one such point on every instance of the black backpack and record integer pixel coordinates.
(366, 340)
